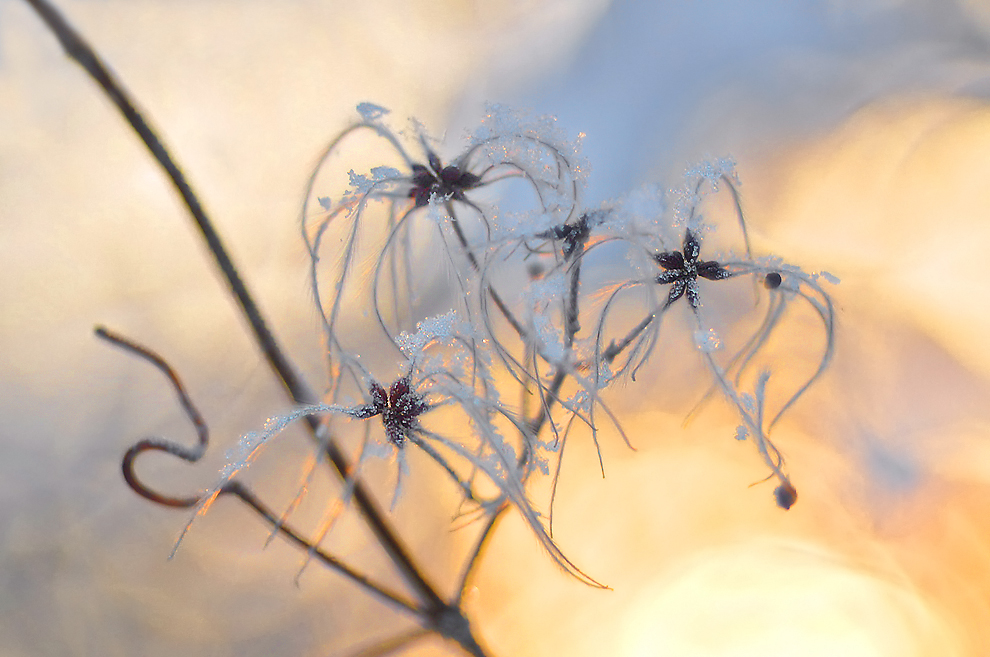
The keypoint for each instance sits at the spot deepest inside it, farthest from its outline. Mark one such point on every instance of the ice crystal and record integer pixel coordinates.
(829, 278)
(434, 328)
(371, 112)
(707, 340)
(362, 184)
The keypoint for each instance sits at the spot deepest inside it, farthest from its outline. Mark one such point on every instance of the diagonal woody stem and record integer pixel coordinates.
(76, 47)
(236, 488)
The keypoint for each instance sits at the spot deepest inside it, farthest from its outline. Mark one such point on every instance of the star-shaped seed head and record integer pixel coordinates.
(441, 181)
(682, 269)
(572, 235)
(400, 408)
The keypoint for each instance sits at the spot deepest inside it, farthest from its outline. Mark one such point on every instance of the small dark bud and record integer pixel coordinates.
(772, 281)
(786, 496)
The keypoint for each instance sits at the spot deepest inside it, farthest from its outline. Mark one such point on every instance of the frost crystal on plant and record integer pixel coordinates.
(707, 340)
(362, 184)
(434, 328)
(371, 112)
(550, 307)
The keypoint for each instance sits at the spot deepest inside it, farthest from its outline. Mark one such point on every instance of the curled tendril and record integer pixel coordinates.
(190, 454)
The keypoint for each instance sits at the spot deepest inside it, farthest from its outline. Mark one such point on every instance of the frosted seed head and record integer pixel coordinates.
(421, 176)
(377, 393)
(450, 175)
(399, 389)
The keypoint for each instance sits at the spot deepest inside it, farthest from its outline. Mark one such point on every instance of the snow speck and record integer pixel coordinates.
(830, 278)
(371, 112)
(707, 340)
(363, 184)
(431, 328)
(713, 171)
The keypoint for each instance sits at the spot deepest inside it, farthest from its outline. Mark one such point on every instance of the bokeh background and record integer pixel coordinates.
(861, 131)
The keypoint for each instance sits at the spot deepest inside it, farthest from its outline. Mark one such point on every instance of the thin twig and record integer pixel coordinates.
(535, 426)
(397, 600)
(394, 644)
(462, 240)
(190, 454)
(234, 488)
(80, 51)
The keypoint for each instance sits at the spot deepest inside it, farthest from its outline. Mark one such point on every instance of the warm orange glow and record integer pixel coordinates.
(887, 552)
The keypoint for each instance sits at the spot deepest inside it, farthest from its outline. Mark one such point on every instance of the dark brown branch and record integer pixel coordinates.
(77, 48)
(80, 51)
(245, 495)
(232, 488)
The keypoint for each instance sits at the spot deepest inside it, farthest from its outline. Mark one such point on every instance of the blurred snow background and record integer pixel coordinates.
(861, 131)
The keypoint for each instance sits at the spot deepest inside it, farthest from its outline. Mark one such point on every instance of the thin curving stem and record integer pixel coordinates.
(191, 454)
(394, 644)
(397, 600)
(535, 426)
(239, 490)
(79, 50)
